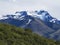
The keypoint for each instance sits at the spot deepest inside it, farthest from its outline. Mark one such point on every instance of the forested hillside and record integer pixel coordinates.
(12, 35)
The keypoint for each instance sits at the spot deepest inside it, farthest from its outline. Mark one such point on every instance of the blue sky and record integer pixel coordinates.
(11, 6)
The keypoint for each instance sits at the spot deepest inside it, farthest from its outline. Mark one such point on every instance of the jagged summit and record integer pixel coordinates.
(43, 15)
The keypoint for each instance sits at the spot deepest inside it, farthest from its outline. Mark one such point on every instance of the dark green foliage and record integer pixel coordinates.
(11, 35)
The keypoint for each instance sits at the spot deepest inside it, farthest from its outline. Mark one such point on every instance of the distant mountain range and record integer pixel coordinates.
(40, 22)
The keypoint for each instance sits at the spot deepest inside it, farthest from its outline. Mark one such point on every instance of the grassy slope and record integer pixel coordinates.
(11, 35)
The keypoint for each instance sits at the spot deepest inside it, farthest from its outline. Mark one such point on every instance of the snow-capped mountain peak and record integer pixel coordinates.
(43, 15)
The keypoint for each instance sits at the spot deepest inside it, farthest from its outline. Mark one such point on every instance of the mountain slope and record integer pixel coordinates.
(55, 35)
(40, 22)
(39, 27)
(12, 35)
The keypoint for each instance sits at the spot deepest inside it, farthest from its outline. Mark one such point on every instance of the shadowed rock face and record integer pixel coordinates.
(41, 22)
